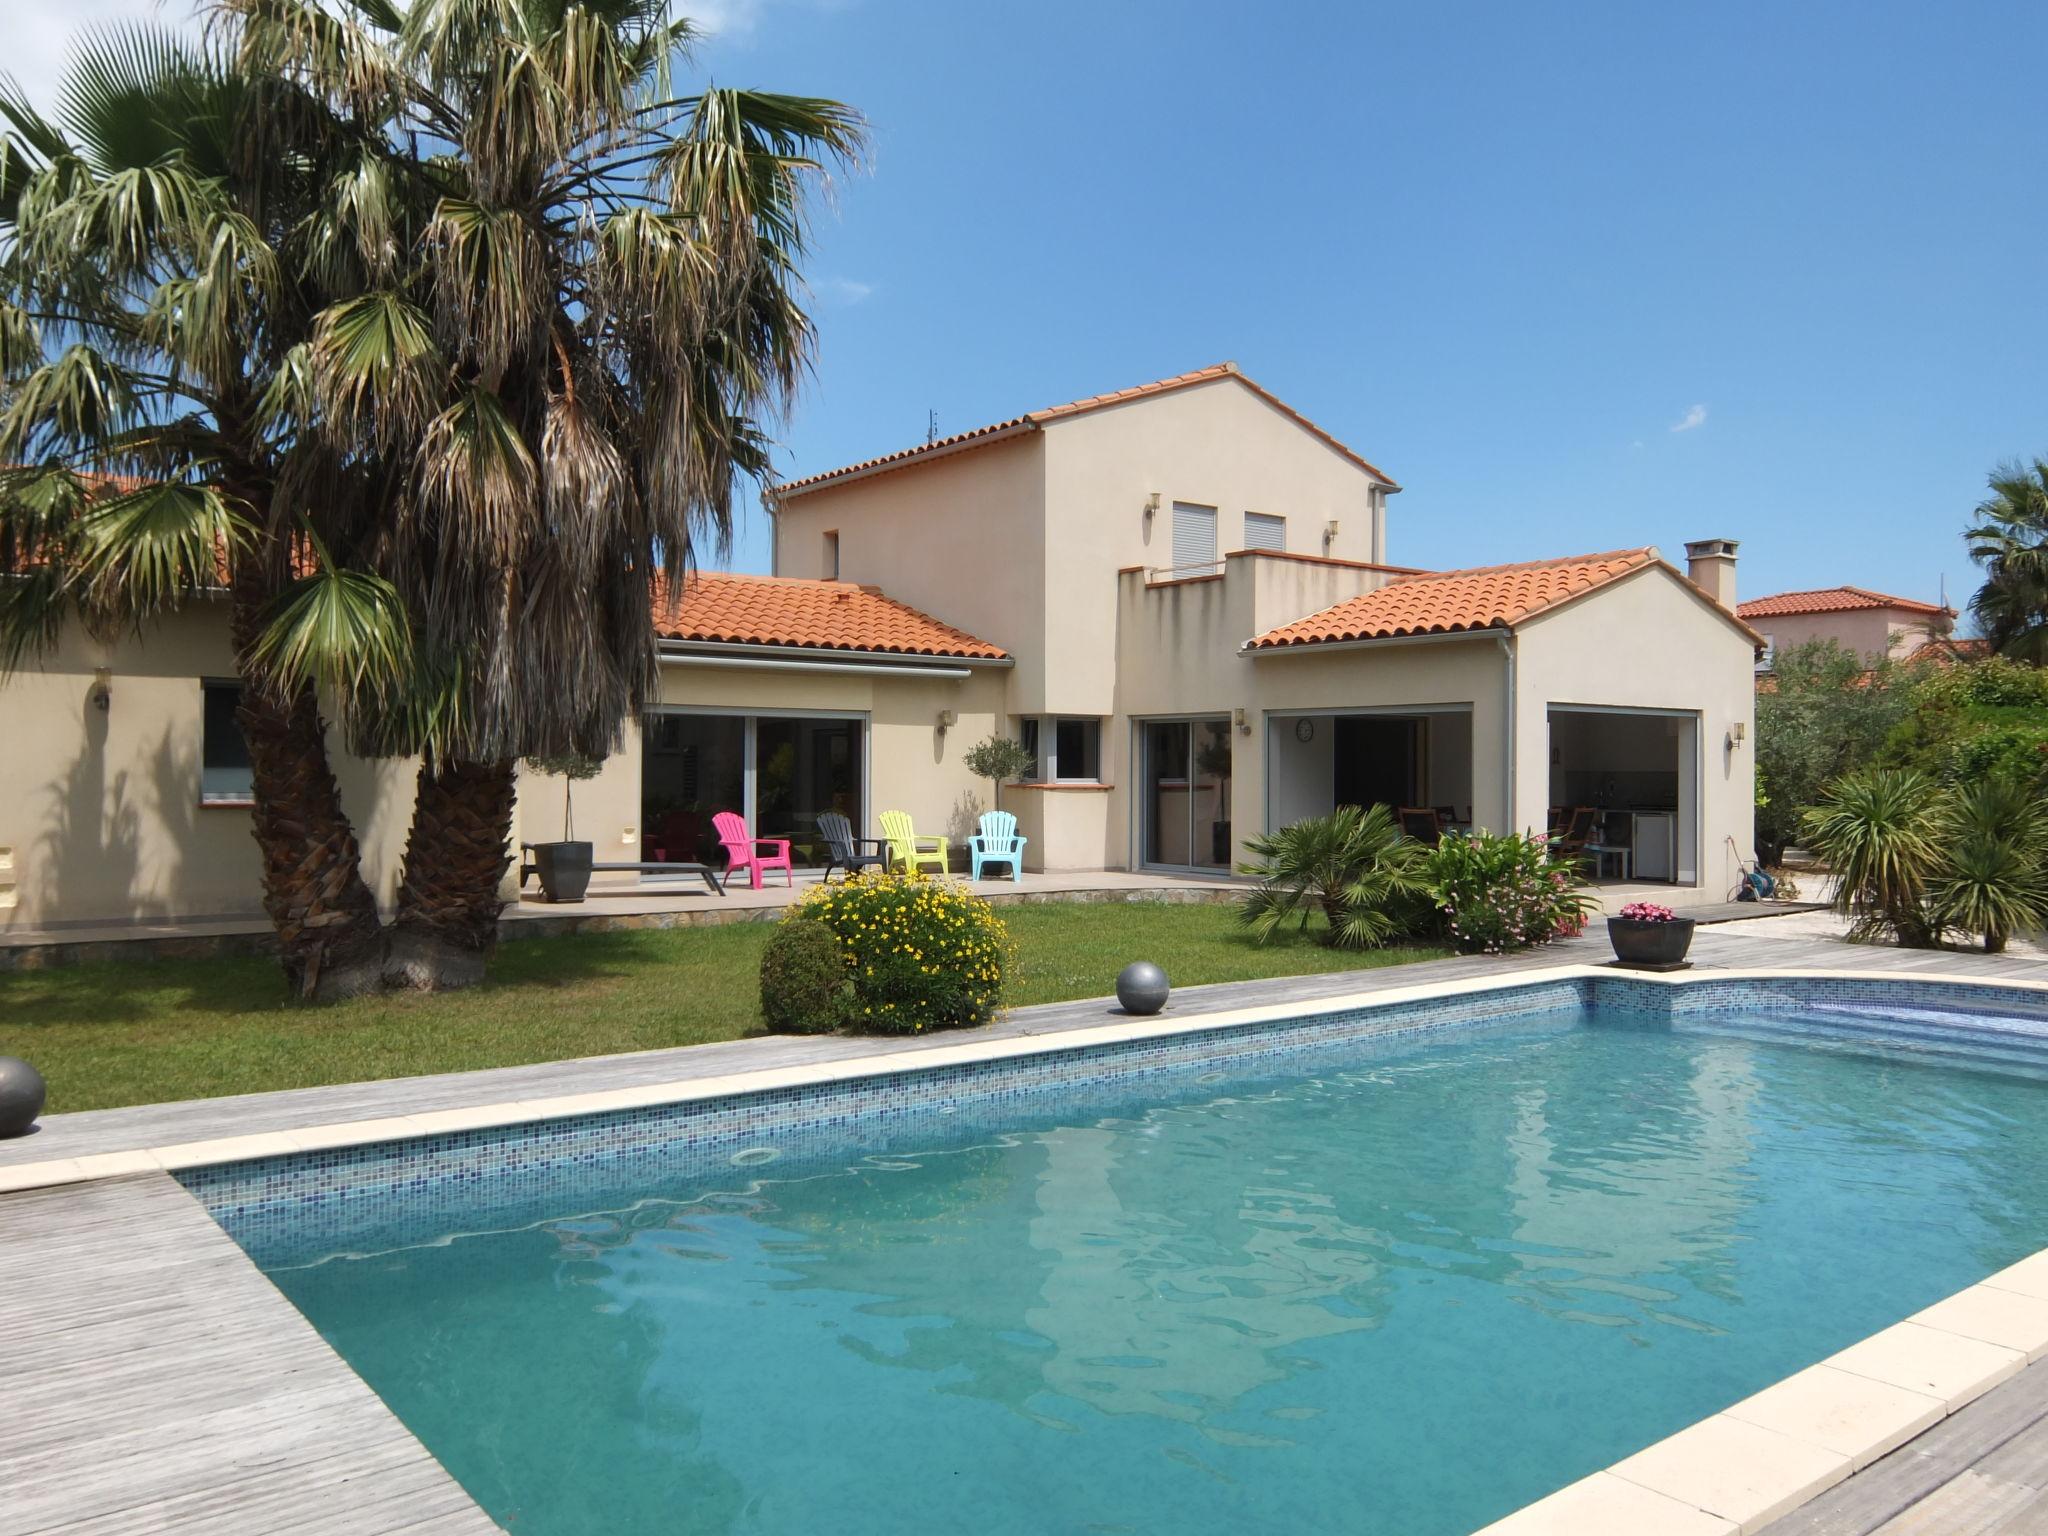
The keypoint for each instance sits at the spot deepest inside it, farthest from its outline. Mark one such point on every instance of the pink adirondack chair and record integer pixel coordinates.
(743, 850)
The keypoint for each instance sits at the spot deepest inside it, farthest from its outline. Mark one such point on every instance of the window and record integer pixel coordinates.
(224, 774)
(1066, 749)
(832, 555)
(1076, 752)
(1194, 538)
(1262, 530)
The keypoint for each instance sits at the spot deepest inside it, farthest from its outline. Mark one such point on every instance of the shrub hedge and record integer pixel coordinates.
(921, 953)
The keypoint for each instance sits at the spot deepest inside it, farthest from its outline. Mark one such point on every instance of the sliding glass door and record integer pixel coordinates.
(781, 772)
(1184, 793)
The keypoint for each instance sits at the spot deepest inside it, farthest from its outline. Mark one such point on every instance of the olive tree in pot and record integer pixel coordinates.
(1646, 934)
(997, 759)
(564, 867)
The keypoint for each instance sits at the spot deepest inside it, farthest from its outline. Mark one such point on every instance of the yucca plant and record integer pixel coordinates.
(1879, 830)
(1353, 866)
(1992, 877)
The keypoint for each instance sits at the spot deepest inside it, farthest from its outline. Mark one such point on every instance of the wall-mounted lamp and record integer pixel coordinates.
(947, 719)
(1151, 508)
(102, 694)
(1329, 534)
(1244, 726)
(1737, 734)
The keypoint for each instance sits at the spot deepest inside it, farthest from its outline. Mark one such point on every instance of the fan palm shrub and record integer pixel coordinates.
(1353, 867)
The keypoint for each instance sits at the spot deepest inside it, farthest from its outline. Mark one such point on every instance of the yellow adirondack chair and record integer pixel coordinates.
(909, 851)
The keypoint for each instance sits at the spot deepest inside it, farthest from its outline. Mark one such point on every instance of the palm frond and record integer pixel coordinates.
(144, 551)
(341, 630)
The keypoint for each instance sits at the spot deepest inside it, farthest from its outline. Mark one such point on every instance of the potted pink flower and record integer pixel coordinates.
(1646, 934)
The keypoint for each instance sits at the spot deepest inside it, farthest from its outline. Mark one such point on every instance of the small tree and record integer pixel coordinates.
(571, 768)
(1826, 712)
(997, 759)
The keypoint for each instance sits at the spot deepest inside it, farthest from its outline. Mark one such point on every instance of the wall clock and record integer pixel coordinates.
(1304, 730)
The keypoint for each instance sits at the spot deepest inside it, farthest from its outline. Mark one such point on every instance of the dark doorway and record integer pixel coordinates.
(1378, 760)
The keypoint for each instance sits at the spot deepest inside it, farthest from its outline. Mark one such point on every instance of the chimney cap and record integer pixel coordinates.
(1703, 549)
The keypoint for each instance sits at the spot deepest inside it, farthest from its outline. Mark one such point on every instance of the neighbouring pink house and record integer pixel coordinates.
(1866, 622)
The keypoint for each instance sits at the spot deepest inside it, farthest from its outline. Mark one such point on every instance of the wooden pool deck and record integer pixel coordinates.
(152, 1380)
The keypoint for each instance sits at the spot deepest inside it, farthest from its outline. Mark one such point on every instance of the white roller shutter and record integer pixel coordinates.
(1262, 530)
(1194, 537)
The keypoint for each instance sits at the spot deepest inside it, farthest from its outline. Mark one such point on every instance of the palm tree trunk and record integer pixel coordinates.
(328, 934)
(455, 860)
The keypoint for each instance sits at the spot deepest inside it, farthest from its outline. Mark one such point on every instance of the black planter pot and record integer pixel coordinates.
(1639, 943)
(564, 869)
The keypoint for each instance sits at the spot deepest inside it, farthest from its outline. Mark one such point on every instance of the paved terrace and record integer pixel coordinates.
(154, 1381)
(664, 903)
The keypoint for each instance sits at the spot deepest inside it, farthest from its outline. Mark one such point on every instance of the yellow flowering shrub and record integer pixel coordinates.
(923, 953)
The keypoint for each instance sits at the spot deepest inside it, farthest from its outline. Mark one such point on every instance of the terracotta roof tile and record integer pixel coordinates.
(726, 608)
(1831, 600)
(1032, 421)
(1486, 597)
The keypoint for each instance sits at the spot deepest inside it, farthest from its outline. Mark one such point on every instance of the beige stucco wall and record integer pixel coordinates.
(100, 817)
(1177, 655)
(961, 537)
(1648, 641)
(1216, 444)
(911, 764)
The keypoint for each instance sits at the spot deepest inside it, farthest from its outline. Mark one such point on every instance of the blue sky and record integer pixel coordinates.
(1579, 276)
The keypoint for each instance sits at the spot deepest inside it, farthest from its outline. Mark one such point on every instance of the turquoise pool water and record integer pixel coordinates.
(1405, 1294)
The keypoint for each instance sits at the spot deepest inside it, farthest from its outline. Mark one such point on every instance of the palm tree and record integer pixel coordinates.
(144, 315)
(440, 335)
(1354, 866)
(1993, 874)
(576, 306)
(1880, 831)
(2010, 540)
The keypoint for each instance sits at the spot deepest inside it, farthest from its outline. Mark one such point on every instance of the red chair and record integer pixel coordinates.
(743, 850)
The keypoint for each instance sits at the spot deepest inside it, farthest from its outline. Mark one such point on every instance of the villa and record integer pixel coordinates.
(1178, 596)
(1856, 618)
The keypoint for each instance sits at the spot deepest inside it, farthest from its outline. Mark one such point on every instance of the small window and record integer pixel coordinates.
(1262, 530)
(1194, 539)
(832, 555)
(225, 777)
(1076, 752)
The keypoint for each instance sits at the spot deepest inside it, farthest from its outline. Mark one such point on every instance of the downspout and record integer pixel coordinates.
(1507, 651)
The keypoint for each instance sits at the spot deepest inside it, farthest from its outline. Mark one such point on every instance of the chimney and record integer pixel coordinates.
(1711, 565)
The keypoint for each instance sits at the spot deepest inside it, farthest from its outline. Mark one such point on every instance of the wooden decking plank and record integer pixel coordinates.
(151, 1378)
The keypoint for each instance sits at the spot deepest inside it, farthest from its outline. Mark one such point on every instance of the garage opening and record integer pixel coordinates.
(1624, 792)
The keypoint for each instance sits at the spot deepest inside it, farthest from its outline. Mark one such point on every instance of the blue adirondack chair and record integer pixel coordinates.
(997, 843)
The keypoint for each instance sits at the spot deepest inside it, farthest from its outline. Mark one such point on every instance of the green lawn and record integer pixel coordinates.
(182, 1029)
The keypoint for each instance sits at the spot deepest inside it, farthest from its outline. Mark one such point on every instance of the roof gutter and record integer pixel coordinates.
(1251, 652)
(785, 658)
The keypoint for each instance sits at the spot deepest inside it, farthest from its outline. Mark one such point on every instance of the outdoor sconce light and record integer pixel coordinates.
(1151, 508)
(102, 694)
(1737, 734)
(1244, 726)
(1329, 534)
(947, 719)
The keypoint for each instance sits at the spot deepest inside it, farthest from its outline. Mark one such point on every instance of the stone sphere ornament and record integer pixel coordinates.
(1142, 987)
(21, 1095)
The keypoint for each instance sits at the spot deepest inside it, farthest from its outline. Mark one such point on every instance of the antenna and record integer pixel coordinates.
(931, 428)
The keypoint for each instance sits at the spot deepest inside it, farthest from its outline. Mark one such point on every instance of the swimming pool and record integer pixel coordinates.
(1400, 1269)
